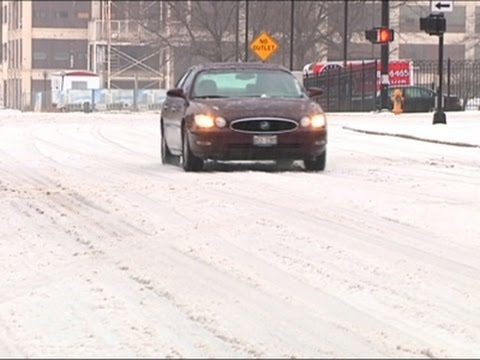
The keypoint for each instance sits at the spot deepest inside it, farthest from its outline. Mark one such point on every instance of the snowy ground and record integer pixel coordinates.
(107, 253)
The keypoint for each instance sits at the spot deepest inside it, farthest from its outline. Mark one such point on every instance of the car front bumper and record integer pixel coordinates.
(229, 145)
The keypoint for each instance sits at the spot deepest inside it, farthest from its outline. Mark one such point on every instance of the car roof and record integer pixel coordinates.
(239, 65)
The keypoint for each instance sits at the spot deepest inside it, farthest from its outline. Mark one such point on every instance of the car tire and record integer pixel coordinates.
(316, 163)
(189, 161)
(167, 156)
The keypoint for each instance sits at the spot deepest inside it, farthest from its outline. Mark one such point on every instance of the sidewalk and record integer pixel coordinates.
(462, 128)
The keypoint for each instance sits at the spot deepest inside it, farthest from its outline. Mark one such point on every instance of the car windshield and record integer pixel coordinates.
(246, 83)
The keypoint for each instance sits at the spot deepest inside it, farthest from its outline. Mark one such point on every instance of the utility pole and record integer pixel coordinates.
(109, 43)
(292, 27)
(246, 30)
(384, 57)
(345, 30)
(237, 31)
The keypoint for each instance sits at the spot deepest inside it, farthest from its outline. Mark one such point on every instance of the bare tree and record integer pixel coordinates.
(206, 30)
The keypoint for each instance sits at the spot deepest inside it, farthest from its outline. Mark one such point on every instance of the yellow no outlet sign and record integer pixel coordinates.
(264, 46)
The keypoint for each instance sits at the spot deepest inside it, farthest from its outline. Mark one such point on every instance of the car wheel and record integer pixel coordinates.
(189, 161)
(316, 163)
(167, 157)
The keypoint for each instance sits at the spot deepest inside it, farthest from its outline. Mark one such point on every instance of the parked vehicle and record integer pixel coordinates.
(423, 99)
(242, 111)
(415, 99)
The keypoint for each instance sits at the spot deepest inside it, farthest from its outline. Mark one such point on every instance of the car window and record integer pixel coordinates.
(426, 93)
(414, 92)
(246, 83)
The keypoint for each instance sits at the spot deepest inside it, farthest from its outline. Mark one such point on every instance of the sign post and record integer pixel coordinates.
(385, 56)
(436, 24)
(264, 46)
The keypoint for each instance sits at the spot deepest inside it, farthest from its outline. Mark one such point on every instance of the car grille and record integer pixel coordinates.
(264, 125)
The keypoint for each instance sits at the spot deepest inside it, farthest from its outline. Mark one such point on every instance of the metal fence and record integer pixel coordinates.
(351, 88)
(356, 88)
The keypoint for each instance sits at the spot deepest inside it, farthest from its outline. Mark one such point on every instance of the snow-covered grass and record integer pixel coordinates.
(107, 253)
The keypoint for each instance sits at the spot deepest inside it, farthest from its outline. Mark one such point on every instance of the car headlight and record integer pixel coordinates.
(220, 122)
(204, 121)
(319, 120)
(315, 121)
(305, 121)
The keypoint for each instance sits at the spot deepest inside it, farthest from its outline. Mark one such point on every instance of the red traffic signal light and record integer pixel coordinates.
(385, 35)
(379, 35)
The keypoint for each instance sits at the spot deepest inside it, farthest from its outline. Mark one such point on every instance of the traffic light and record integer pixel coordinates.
(434, 24)
(379, 35)
(385, 35)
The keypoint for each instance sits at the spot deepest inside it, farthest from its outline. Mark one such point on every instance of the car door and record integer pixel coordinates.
(430, 98)
(413, 100)
(171, 114)
(178, 110)
(422, 99)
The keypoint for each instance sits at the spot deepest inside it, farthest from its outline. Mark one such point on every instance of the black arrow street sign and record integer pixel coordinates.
(439, 5)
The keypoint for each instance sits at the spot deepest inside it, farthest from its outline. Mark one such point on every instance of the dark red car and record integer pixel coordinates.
(242, 111)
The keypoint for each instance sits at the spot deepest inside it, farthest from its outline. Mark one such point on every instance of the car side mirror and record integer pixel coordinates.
(177, 92)
(314, 91)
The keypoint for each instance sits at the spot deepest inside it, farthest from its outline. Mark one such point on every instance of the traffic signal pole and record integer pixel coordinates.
(436, 24)
(384, 58)
(439, 117)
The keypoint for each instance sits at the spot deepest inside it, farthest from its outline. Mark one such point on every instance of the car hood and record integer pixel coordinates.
(257, 107)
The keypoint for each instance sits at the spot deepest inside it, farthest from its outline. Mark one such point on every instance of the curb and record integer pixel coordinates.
(411, 137)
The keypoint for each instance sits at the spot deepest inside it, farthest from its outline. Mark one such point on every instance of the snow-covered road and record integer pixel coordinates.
(105, 252)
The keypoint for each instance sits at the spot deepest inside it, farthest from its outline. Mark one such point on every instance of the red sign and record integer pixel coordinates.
(400, 72)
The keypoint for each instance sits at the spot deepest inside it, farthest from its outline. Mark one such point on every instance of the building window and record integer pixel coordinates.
(10, 53)
(477, 19)
(79, 85)
(83, 15)
(477, 52)
(61, 56)
(40, 14)
(410, 17)
(20, 16)
(39, 55)
(5, 13)
(430, 52)
(456, 19)
(61, 14)
(15, 54)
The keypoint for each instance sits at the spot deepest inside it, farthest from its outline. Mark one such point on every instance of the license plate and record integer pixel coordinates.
(264, 140)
